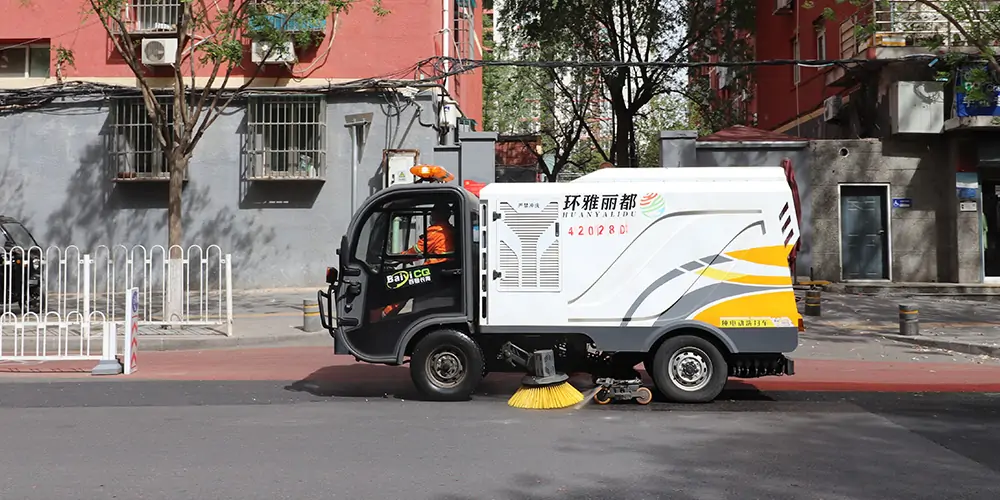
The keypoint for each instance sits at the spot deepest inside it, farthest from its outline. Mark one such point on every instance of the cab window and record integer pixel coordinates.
(408, 230)
(394, 234)
(405, 231)
(370, 241)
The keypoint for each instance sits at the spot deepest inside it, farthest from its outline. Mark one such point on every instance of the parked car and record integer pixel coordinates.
(20, 267)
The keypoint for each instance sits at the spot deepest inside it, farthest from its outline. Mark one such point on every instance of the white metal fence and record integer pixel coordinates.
(59, 302)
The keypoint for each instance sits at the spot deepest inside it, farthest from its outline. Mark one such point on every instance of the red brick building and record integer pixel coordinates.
(278, 174)
(355, 45)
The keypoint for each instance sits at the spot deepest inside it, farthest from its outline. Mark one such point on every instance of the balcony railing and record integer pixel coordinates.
(284, 21)
(149, 17)
(900, 23)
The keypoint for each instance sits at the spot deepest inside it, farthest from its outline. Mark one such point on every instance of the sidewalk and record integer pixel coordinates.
(260, 318)
(969, 327)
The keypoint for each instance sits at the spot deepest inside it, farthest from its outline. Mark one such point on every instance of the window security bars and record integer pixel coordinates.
(134, 150)
(149, 17)
(286, 137)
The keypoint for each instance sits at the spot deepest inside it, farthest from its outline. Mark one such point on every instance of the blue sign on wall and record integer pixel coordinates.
(902, 202)
(963, 108)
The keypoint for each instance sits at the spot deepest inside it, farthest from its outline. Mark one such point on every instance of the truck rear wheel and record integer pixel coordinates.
(446, 365)
(689, 369)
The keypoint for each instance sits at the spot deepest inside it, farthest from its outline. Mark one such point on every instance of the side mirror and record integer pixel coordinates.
(331, 275)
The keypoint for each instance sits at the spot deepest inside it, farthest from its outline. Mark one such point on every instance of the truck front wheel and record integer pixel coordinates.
(689, 369)
(446, 365)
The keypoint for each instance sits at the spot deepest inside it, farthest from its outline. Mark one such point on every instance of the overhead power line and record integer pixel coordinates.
(475, 63)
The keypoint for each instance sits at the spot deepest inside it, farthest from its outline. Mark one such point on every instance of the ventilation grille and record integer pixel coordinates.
(529, 252)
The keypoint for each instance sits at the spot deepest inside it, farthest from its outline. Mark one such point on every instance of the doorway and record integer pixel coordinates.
(989, 224)
(864, 232)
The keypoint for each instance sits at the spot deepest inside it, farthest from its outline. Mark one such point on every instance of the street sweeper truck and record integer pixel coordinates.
(681, 270)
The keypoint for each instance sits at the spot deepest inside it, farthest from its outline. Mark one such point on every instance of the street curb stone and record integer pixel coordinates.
(951, 345)
(172, 343)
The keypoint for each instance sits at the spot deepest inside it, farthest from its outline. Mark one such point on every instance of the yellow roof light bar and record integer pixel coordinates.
(431, 173)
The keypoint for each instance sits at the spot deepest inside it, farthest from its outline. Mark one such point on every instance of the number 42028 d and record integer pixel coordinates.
(598, 230)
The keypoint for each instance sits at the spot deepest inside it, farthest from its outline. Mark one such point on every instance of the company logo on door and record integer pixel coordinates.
(588, 206)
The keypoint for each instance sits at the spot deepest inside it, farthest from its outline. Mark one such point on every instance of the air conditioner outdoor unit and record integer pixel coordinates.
(831, 108)
(159, 51)
(783, 6)
(284, 53)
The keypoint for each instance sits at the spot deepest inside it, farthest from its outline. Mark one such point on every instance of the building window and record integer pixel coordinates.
(821, 42)
(286, 136)
(135, 152)
(149, 16)
(25, 61)
(796, 70)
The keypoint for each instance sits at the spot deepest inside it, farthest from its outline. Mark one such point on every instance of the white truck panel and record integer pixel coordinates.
(622, 247)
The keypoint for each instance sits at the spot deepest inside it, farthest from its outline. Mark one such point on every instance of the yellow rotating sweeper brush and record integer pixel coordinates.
(543, 388)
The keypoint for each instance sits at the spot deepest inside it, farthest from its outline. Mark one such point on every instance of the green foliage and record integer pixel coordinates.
(64, 56)
(664, 112)
(636, 31)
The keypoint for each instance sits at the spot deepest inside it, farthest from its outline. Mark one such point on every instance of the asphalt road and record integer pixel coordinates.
(266, 440)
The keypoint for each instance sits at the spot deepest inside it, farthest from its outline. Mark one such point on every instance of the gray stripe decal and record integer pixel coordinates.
(665, 217)
(698, 299)
(692, 301)
(691, 266)
(712, 259)
(645, 293)
(635, 305)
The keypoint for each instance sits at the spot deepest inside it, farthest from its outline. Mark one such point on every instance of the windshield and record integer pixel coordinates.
(19, 235)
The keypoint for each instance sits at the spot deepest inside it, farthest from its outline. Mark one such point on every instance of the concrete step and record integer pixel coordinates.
(968, 291)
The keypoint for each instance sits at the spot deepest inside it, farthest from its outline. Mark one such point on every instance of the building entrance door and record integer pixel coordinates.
(864, 234)
(989, 224)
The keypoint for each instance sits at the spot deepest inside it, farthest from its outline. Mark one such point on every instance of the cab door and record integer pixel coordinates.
(389, 282)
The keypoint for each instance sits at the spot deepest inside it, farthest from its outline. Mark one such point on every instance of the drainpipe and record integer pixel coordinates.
(446, 38)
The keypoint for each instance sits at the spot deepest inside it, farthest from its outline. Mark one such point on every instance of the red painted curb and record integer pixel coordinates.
(319, 364)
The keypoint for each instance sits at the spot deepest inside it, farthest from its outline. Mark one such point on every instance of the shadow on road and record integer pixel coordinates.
(381, 381)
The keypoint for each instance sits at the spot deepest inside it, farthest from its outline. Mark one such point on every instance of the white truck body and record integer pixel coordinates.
(645, 248)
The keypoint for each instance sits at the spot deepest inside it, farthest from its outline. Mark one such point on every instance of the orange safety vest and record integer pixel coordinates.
(440, 240)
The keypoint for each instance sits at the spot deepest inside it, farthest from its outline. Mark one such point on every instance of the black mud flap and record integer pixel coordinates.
(789, 365)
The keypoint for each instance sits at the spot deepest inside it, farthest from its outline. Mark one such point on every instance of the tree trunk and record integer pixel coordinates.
(178, 163)
(624, 156)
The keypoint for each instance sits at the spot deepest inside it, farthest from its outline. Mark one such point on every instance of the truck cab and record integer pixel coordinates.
(391, 289)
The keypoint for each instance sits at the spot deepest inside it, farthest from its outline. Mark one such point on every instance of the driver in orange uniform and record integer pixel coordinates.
(438, 240)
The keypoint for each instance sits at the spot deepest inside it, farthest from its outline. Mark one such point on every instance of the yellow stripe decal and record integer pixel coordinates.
(780, 305)
(768, 256)
(747, 279)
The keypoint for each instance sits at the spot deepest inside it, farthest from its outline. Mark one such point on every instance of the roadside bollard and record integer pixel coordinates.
(909, 321)
(812, 302)
(310, 316)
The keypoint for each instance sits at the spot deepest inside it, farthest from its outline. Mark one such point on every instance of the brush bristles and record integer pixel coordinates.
(544, 398)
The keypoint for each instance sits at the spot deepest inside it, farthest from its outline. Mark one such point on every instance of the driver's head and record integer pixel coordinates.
(440, 213)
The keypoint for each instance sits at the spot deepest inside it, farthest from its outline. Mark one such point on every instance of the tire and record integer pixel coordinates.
(446, 365)
(700, 355)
